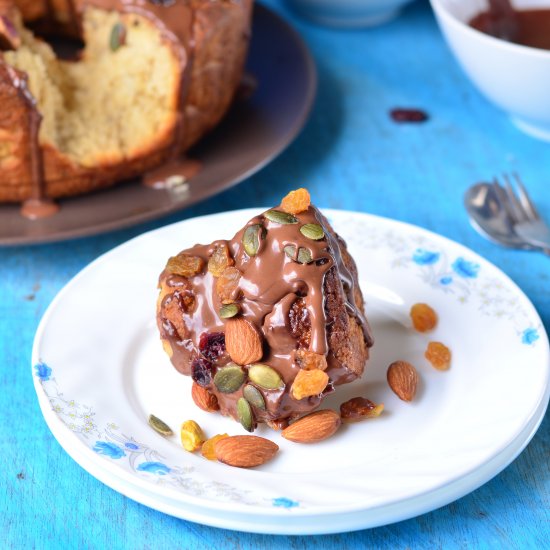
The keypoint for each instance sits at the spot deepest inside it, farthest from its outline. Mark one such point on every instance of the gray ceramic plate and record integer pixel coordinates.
(251, 135)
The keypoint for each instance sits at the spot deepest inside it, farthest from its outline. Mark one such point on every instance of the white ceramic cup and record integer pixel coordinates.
(516, 78)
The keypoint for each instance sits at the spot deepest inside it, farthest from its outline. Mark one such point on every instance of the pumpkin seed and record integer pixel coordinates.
(229, 379)
(265, 377)
(229, 310)
(312, 231)
(159, 426)
(244, 414)
(118, 37)
(290, 251)
(283, 218)
(254, 397)
(252, 237)
(304, 256)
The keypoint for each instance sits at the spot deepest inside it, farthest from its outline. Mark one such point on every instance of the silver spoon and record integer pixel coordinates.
(489, 218)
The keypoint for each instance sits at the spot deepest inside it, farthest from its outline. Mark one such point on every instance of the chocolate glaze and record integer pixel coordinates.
(37, 206)
(175, 20)
(530, 27)
(270, 284)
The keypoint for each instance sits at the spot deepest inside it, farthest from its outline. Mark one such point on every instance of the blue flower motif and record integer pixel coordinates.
(108, 449)
(447, 280)
(283, 502)
(132, 446)
(529, 336)
(43, 371)
(154, 468)
(468, 270)
(425, 257)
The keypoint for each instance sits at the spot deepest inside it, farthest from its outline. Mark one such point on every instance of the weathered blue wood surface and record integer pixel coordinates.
(351, 156)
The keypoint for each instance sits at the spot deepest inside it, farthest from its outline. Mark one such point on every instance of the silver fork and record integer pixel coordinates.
(523, 213)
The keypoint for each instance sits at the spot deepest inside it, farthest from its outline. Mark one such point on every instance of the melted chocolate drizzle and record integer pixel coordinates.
(36, 206)
(174, 18)
(270, 284)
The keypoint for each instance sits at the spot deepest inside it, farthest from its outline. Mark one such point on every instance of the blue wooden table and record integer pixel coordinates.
(353, 156)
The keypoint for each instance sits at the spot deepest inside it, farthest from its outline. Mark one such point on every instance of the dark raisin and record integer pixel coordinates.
(212, 344)
(300, 323)
(201, 371)
(408, 115)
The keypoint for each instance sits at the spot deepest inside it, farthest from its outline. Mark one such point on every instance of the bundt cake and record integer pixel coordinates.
(268, 323)
(152, 78)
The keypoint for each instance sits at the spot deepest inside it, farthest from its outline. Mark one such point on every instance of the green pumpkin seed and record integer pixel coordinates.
(265, 377)
(229, 310)
(304, 256)
(312, 231)
(280, 217)
(254, 397)
(252, 237)
(229, 379)
(118, 37)
(290, 251)
(244, 414)
(159, 426)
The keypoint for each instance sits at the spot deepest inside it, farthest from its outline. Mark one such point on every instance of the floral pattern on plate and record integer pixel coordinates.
(101, 419)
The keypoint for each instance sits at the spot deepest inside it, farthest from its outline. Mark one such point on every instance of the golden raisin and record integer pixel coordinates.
(308, 383)
(439, 355)
(207, 449)
(296, 201)
(219, 260)
(185, 265)
(191, 435)
(360, 408)
(309, 360)
(227, 285)
(423, 317)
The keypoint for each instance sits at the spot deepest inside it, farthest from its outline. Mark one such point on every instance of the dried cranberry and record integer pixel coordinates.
(408, 115)
(201, 371)
(212, 344)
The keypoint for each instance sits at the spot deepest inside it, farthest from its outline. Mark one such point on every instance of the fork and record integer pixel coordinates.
(523, 214)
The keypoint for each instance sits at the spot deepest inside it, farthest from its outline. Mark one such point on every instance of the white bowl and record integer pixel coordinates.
(516, 78)
(349, 13)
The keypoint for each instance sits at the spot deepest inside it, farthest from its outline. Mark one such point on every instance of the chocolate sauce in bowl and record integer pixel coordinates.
(528, 27)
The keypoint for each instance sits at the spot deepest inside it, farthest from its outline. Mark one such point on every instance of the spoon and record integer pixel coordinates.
(490, 219)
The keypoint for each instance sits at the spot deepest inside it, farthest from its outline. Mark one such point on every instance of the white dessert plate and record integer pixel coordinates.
(99, 371)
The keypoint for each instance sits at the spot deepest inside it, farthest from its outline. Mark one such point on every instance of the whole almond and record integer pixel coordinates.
(245, 451)
(242, 341)
(403, 380)
(313, 427)
(204, 399)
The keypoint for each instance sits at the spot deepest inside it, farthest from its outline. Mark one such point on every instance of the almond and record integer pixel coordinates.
(313, 427)
(204, 399)
(403, 380)
(245, 451)
(242, 341)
